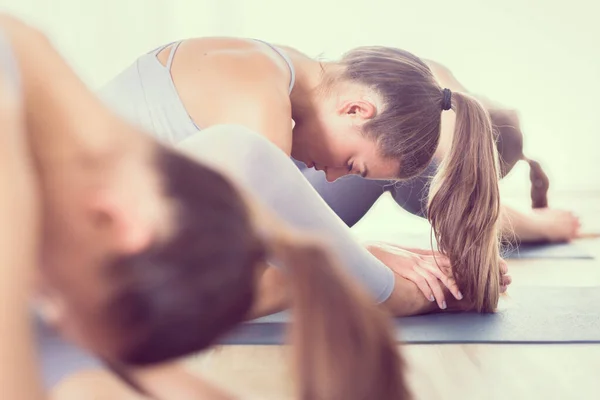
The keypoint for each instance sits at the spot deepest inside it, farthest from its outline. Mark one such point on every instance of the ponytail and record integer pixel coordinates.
(344, 346)
(510, 148)
(464, 205)
(344, 343)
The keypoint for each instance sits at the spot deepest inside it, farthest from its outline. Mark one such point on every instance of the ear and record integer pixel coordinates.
(361, 109)
(127, 231)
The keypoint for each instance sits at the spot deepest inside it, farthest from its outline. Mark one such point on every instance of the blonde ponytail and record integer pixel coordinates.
(344, 346)
(464, 205)
(344, 343)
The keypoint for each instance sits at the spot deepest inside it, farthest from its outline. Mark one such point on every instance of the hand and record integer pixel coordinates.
(427, 271)
(505, 279)
(557, 225)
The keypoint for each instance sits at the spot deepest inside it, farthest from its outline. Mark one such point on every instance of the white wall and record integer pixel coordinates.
(538, 56)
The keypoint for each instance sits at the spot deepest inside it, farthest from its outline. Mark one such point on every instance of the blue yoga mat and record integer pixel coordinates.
(527, 315)
(522, 251)
(59, 359)
(548, 251)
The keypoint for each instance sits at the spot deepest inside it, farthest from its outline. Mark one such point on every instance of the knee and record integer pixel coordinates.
(235, 150)
(227, 141)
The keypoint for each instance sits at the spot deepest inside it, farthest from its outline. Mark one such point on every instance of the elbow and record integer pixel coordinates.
(15, 27)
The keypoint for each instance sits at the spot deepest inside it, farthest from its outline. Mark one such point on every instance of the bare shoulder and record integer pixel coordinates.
(235, 81)
(231, 61)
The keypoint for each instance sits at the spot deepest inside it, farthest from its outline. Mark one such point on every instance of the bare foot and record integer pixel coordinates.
(556, 225)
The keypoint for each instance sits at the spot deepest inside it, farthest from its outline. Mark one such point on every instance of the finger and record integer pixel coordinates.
(505, 282)
(448, 281)
(439, 265)
(434, 285)
(440, 260)
(503, 267)
(421, 283)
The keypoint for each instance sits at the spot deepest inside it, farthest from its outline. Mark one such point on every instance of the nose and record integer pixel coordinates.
(333, 174)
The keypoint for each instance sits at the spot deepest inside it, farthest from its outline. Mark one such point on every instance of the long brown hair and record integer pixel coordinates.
(464, 195)
(344, 346)
(182, 294)
(465, 204)
(509, 141)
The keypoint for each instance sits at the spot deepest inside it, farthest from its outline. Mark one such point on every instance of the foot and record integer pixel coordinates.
(556, 225)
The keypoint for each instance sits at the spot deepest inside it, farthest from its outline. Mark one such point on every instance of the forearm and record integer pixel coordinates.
(171, 381)
(18, 244)
(19, 375)
(271, 294)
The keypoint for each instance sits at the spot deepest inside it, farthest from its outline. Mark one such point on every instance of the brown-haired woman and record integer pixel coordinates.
(375, 113)
(140, 264)
(352, 197)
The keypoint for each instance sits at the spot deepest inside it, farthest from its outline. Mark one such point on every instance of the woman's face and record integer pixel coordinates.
(331, 140)
(89, 219)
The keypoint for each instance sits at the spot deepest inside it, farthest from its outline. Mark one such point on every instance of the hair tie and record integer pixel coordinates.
(447, 100)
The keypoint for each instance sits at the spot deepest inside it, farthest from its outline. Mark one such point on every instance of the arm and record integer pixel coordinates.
(272, 295)
(165, 382)
(19, 375)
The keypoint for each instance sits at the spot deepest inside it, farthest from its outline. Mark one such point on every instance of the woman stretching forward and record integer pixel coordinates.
(374, 113)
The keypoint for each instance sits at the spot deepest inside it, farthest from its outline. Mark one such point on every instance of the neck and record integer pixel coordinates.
(308, 92)
(446, 135)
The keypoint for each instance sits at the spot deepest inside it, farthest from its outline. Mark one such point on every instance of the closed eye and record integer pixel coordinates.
(361, 173)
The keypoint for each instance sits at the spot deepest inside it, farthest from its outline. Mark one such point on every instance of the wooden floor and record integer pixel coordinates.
(461, 372)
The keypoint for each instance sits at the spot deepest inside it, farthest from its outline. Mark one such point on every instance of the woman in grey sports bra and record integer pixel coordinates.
(375, 113)
(149, 256)
(351, 197)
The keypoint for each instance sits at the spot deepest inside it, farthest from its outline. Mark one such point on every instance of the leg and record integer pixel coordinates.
(264, 171)
(350, 197)
(412, 195)
(268, 174)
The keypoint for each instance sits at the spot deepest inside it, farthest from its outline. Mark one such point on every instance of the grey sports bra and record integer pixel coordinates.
(282, 54)
(288, 61)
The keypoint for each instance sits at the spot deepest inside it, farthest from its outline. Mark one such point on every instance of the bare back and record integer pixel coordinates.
(231, 80)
